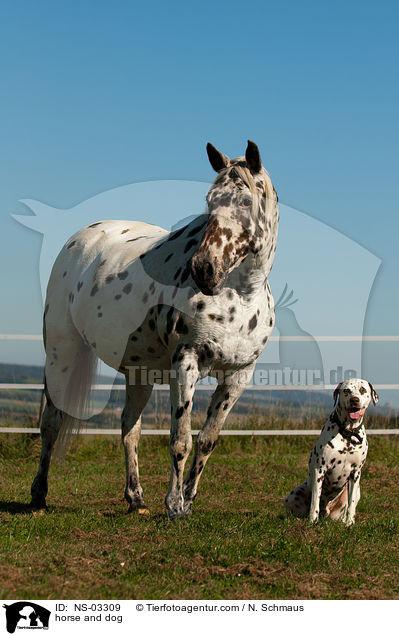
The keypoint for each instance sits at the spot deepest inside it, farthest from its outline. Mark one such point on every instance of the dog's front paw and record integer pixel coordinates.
(313, 517)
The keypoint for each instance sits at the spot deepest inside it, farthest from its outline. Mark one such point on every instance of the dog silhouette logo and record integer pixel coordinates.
(26, 615)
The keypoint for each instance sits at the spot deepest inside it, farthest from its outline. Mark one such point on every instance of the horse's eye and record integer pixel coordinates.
(246, 202)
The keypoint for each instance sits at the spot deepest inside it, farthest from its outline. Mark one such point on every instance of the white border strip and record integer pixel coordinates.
(165, 431)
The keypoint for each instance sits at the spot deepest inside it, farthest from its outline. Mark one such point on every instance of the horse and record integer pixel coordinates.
(191, 303)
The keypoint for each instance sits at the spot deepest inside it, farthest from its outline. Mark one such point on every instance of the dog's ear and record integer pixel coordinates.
(336, 393)
(374, 394)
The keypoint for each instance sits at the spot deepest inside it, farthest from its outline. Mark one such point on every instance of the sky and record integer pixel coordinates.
(100, 95)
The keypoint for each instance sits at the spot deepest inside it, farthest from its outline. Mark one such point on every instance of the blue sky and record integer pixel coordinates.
(96, 95)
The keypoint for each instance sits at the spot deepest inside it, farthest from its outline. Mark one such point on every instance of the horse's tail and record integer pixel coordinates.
(76, 406)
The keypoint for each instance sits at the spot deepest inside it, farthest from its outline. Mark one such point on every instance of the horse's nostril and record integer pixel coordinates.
(209, 269)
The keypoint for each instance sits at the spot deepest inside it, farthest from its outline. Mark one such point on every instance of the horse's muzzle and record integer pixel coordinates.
(206, 275)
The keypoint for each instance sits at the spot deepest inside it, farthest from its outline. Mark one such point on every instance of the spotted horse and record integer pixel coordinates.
(193, 303)
(332, 488)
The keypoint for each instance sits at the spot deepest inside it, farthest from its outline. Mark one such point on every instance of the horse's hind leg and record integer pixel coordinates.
(137, 397)
(50, 425)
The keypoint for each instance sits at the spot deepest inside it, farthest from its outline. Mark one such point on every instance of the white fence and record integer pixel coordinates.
(164, 387)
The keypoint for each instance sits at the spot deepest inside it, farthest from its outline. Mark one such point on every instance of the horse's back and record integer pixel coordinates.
(99, 247)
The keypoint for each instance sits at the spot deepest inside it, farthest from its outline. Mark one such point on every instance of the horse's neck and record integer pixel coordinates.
(249, 277)
(251, 274)
(262, 261)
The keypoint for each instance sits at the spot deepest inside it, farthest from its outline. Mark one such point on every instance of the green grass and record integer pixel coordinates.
(236, 545)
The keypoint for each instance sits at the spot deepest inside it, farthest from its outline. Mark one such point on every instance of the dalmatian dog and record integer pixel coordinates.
(333, 485)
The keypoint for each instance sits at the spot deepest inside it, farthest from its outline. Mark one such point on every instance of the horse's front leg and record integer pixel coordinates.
(184, 375)
(226, 395)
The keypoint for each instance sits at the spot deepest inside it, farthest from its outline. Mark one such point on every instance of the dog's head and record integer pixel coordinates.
(353, 397)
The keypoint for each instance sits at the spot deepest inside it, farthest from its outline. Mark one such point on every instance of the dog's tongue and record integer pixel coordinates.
(355, 415)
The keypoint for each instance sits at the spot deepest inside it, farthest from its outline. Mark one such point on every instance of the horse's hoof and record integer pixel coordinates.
(140, 510)
(188, 511)
(37, 511)
(172, 515)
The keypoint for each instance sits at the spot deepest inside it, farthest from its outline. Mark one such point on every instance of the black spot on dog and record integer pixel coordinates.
(118, 296)
(169, 256)
(127, 288)
(123, 275)
(109, 278)
(179, 412)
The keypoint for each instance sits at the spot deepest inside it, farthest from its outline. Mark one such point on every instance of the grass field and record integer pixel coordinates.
(237, 544)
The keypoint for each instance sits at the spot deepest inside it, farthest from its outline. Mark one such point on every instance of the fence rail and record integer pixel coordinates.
(165, 431)
(164, 387)
(207, 387)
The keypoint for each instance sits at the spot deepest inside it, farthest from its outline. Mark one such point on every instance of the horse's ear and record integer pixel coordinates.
(252, 156)
(217, 159)
(336, 393)
(374, 394)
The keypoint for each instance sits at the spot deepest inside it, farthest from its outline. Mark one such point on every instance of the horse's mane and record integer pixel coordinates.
(247, 177)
